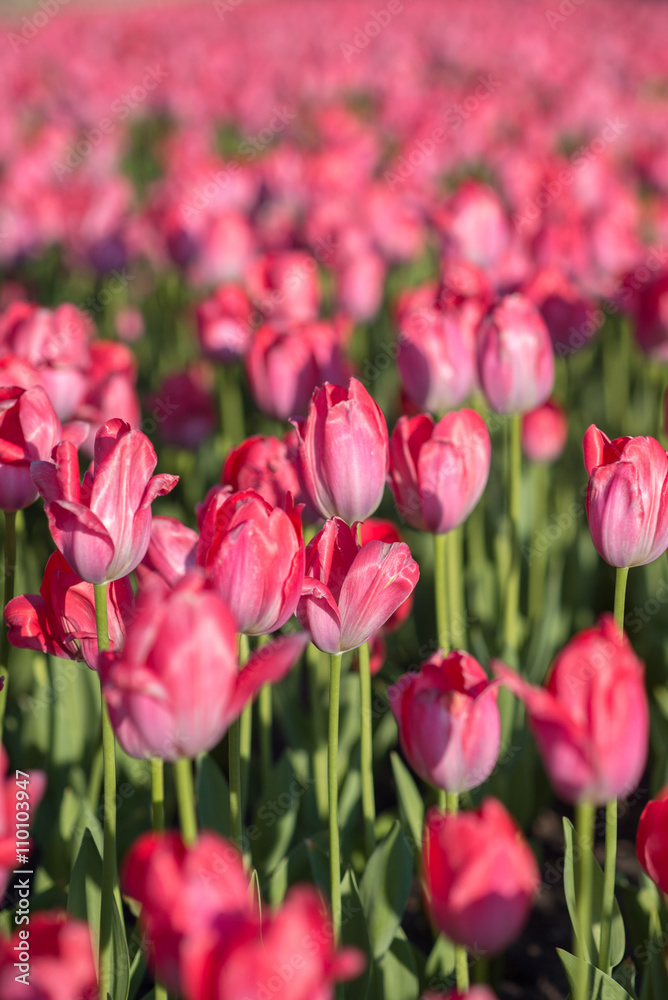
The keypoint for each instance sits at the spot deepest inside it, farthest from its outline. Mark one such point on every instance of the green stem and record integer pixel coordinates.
(95, 779)
(333, 786)
(512, 586)
(442, 799)
(185, 796)
(609, 870)
(157, 793)
(10, 570)
(265, 718)
(455, 590)
(441, 593)
(366, 751)
(231, 406)
(461, 958)
(452, 803)
(243, 738)
(236, 824)
(538, 560)
(109, 876)
(318, 665)
(584, 826)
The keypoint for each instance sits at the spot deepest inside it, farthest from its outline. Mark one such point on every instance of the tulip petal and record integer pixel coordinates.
(82, 539)
(31, 625)
(59, 479)
(380, 578)
(317, 612)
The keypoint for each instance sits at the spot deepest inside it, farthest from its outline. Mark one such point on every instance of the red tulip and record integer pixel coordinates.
(350, 591)
(266, 465)
(343, 452)
(52, 959)
(627, 497)
(436, 358)
(224, 324)
(515, 356)
(255, 556)
(12, 816)
(176, 687)
(591, 722)
(438, 471)
(449, 724)
(479, 876)
(652, 841)
(102, 527)
(171, 552)
(544, 433)
(60, 620)
(29, 430)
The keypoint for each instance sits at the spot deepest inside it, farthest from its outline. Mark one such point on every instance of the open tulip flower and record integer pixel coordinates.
(102, 526)
(627, 497)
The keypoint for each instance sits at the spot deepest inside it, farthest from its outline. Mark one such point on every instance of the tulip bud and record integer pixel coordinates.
(627, 497)
(652, 842)
(544, 433)
(449, 724)
(515, 356)
(438, 471)
(479, 876)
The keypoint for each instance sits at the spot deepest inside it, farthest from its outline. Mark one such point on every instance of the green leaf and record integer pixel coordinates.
(411, 806)
(601, 987)
(396, 975)
(571, 875)
(354, 932)
(213, 797)
(275, 817)
(440, 968)
(385, 887)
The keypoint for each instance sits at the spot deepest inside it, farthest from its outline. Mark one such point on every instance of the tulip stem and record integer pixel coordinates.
(245, 741)
(265, 718)
(317, 664)
(461, 957)
(333, 785)
(452, 803)
(538, 560)
(366, 751)
(584, 825)
(455, 590)
(185, 796)
(231, 407)
(620, 597)
(511, 617)
(109, 844)
(10, 569)
(158, 824)
(441, 593)
(236, 824)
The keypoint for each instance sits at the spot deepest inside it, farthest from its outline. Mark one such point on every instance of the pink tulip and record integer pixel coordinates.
(591, 722)
(266, 465)
(544, 432)
(515, 356)
(224, 324)
(284, 286)
(652, 842)
(436, 358)
(255, 556)
(176, 687)
(60, 620)
(111, 391)
(171, 553)
(102, 526)
(479, 876)
(449, 724)
(350, 591)
(29, 430)
(58, 961)
(438, 471)
(627, 497)
(343, 452)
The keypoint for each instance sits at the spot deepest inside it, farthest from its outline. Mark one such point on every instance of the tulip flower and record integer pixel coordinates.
(284, 286)
(449, 724)
(266, 465)
(60, 620)
(103, 526)
(176, 687)
(438, 471)
(436, 358)
(111, 391)
(627, 497)
(50, 960)
(515, 356)
(479, 876)
(224, 324)
(29, 431)
(544, 433)
(350, 590)
(591, 722)
(255, 556)
(14, 791)
(343, 452)
(652, 842)
(170, 554)
(380, 530)
(183, 406)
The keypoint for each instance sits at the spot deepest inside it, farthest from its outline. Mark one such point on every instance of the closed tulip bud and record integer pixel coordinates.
(652, 841)
(60, 620)
(102, 526)
(448, 720)
(515, 356)
(591, 721)
(627, 497)
(176, 687)
(29, 431)
(60, 963)
(343, 452)
(436, 358)
(254, 554)
(544, 433)
(351, 590)
(479, 876)
(438, 471)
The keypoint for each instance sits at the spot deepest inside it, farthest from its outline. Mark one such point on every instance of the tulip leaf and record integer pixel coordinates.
(213, 797)
(275, 816)
(411, 806)
(385, 887)
(571, 873)
(440, 968)
(354, 932)
(601, 987)
(396, 975)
